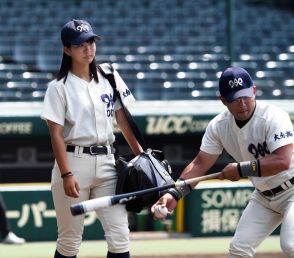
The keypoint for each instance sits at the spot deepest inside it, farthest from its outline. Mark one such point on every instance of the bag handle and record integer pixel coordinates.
(130, 119)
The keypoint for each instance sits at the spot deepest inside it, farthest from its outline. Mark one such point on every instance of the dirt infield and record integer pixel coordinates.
(268, 255)
(147, 248)
(265, 255)
(209, 256)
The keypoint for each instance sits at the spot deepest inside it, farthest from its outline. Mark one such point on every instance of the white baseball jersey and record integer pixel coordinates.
(268, 129)
(85, 109)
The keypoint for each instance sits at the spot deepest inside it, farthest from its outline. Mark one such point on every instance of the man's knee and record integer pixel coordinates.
(288, 249)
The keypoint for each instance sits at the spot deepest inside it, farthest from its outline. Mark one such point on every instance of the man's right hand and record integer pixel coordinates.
(166, 200)
(230, 172)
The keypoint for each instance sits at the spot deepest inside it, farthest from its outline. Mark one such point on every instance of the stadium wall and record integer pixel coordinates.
(216, 210)
(176, 127)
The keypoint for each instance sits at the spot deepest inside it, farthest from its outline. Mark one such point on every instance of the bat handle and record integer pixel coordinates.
(201, 178)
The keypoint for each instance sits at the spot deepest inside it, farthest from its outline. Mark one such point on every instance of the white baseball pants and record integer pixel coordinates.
(259, 219)
(97, 177)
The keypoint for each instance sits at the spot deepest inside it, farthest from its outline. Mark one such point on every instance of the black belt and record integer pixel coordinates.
(92, 150)
(278, 189)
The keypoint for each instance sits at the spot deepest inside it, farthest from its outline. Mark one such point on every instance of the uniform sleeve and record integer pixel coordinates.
(126, 95)
(211, 142)
(54, 105)
(280, 131)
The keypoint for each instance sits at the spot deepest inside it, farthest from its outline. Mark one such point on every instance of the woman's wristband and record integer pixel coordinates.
(249, 168)
(66, 174)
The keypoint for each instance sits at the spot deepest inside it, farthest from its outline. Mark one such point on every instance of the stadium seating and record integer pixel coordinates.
(164, 50)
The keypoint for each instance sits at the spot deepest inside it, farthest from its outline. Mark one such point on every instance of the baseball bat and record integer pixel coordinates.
(107, 201)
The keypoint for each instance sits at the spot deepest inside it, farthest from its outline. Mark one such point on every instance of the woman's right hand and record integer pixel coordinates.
(71, 186)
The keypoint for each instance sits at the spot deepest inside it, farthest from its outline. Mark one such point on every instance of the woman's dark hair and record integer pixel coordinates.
(66, 65)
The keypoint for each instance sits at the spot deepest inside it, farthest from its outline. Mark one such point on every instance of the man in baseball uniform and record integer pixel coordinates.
(80, 110)
(260, 139)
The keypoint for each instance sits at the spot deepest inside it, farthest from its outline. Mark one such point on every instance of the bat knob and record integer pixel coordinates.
(77, 209)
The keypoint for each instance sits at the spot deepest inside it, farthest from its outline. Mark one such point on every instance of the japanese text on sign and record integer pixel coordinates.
(222, 209)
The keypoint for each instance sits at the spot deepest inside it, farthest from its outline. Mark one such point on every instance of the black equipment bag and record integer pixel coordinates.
(142, 172)
(147, 170)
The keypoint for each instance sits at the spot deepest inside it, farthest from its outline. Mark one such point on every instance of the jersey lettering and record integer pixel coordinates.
(283, 135)
(108, 99)
(260, 149)
(110, 112)
(126, 93)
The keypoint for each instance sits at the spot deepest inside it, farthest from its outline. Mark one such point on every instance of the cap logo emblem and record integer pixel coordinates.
(83, 27)
(237, 82)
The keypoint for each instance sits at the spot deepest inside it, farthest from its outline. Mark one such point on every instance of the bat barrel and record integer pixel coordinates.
(77, 209)
(90, 205)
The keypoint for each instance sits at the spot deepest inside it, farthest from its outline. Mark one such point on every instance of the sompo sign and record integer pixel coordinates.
(223, 198)
(222, 209)
(216, 208)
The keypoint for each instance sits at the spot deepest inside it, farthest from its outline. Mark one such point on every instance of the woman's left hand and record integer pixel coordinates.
(71, 187)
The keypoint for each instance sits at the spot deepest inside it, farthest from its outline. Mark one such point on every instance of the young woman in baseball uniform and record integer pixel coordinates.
(80, 111)
(260, 138)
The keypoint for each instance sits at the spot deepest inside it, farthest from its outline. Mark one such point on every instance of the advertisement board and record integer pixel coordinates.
(212, 209)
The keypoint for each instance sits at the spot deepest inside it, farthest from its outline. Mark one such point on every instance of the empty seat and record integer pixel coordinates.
(179, 42)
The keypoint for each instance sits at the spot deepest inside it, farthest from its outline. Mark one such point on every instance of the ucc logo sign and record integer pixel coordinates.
(174, 125)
